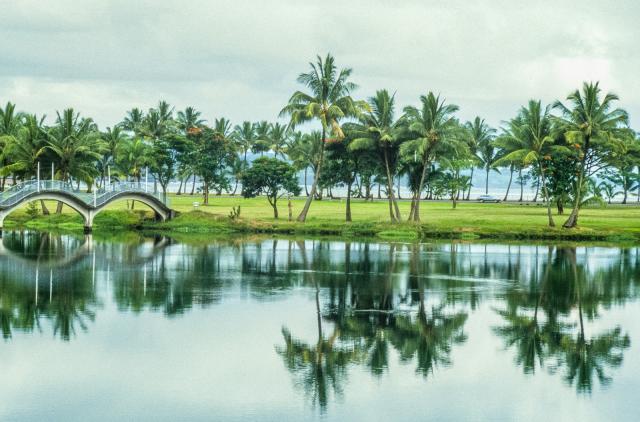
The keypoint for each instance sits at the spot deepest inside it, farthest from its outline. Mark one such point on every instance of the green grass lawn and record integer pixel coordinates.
(469, 220)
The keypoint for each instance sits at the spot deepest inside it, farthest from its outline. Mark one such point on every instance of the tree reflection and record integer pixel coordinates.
(561, 343)
(369, 318)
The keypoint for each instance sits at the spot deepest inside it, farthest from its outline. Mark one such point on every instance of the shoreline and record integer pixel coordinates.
(199, 223)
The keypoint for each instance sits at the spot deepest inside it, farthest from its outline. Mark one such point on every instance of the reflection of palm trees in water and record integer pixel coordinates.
(366, 325)
(556, 344)
(320, 368)
(68, 304)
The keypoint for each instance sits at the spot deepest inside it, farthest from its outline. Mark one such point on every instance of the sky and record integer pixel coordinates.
(240, 59)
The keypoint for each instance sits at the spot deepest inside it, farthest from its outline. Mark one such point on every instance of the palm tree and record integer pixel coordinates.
(76, 146)
(478, 133)
(305, 151)
(132, 156)
(244, 136)
(488, 154)
(10, 123)
(262, 143)
(328, 101)
(592, 125)
(189, 119)
(431, 128)
(25, 148)
(378, 131)
(112, 138)
(133, 121)
(528, 139)
(279, 137)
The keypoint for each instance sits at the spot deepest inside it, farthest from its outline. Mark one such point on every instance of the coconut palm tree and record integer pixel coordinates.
(487, 153)
(76, 145)
(377, 130)
(189, 119)
(327, 100)
(244, 136)
(478, 133)
(592, 125)
(430, 128)
(133, 121)
(528, 140)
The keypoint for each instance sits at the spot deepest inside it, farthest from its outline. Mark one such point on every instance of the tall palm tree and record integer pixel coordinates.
(592, 125)
(528, 139)
(429, 127)
(76, 146)
(189, 119)
(112, 137)
(25, 148)
(262, 143)
(327, 100)
(489, 155)
(479, 133)
(278, 139)
(10, 123)
(244, 136)
(133, 121)
(378, 131)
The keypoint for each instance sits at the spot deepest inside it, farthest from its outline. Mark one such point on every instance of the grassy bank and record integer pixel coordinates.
(469, 220)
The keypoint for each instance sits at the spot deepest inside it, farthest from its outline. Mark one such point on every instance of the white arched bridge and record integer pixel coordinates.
(88, 205)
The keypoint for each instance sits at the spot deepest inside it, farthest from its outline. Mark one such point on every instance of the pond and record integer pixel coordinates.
(149, 328)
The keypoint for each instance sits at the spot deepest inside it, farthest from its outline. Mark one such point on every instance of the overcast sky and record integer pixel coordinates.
(240, 59)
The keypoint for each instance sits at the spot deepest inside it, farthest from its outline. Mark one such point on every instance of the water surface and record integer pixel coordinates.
(279, 329)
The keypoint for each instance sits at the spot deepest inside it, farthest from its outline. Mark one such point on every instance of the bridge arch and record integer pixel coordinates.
(89, 211)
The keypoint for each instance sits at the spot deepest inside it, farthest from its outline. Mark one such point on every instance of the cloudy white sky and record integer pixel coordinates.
(240, 59)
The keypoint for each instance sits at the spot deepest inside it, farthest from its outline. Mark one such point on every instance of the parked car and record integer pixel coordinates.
(488, 198)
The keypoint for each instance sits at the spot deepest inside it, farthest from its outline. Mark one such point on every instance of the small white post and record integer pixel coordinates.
(50, 284)
(38, 176)
(109, 174)
(53, 173)
(146, 179)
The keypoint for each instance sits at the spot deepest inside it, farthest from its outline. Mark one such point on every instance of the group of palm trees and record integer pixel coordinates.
(574, 153)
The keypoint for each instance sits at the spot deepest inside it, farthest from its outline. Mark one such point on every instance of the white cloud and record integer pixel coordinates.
(240, 58)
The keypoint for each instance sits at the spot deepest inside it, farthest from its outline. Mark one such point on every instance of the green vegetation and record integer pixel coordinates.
(576, 154)
(470, 220)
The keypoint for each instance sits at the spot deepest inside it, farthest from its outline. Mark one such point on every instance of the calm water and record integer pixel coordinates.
(153, 329)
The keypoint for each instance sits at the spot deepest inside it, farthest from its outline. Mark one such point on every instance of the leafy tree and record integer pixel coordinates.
(328, 100)
(271, 177)
(211, 158)
(487, 152)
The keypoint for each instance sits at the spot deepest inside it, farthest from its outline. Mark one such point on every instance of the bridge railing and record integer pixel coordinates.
(16, 193)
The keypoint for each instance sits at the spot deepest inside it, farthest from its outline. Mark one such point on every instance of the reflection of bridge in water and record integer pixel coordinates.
(88, 205)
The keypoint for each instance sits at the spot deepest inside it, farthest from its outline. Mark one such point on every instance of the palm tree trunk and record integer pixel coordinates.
(316, 178)
(486, 182)
(306, 188)
(470, 185)
(546, 197)
(193, 185)
(45, 210)
(416, 199)
(348, 210)
(572, 221)
(521, 184)
(399, 179)
(506, 195)
(392, 200)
